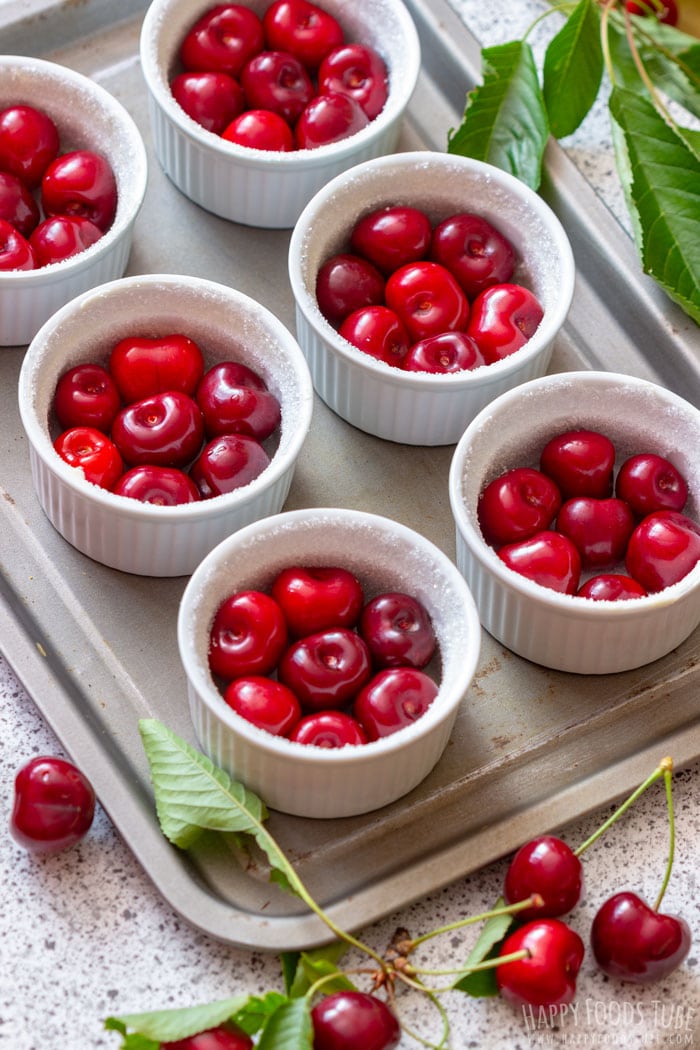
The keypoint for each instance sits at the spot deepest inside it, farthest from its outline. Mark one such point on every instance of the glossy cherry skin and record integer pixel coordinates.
(377, 331)
(633, 942)
(142, 366)
(303, 29)
(266, 703)
(260, 129)
(348, 1020)
(165, 430)
(547, 976)
(398, 630)
(444, 353)
(600, 528)
(328, 729)
(212, 99)
(550, 868)
(359, 71)
(345, 283)
(581, 463)
(80, 183)
(54, 805)
(224, 1037)
(649, 482)
(16, 253)
(668, 14)
(29, 141)
(663, 548)
(474, 251)
(86, 396)
(390, 237)
(228, 462)
(61, 237)
(159, 486)
(234, 399)
(315, 598)
(547, 558)
(222, 40)
(277, 81)
(93, 452)
(516, 505)
(611, 587)
(392, 699)
(248, 635)
(326, 669)
(17, 205)
(329, 118)
(503, 318)
(427, 299)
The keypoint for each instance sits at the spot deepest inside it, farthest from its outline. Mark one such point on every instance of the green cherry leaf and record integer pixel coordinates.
(505, 120)
(660, 174)
(482, 983)
(161, 1026)
(573, 69)
(288, 1028)
(320, 963)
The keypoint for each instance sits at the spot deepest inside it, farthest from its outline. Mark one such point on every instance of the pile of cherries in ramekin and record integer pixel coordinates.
(312, 659)
(576, 515)
(53, 205)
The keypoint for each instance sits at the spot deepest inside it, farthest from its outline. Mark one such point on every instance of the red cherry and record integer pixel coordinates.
(377, 331)
(547, 975)
(427, 299)
(348, 1020)
(160, 486)
(550, 868)
(328, 729)
(326, 669)
(222, 40)
(398, 631)
(234, 399)
(663, 548)
(17, 205)
(633, 942)
(446, 352)
(144, 366)
(516, 505)
(580, 462)
(80, 183)
(611, 587)
(474, 251)
(303, 29)
(345, 283)
(165, 430)
(228, 462)
(503, 318)
(212, 99)
(315, 598)
(61, 237)
(248, 635)
(359, 71)
(16, 253)
(329, 118)
(86, 396)
(390, 237)
(54, 805)
(224, 1037)
(392, 699)
(29, 141)
(649, 482)
(265, 702)
(600, 529)
(92, 452)
(260, 129)
(547, 558)
(277, 81)
(668, 12)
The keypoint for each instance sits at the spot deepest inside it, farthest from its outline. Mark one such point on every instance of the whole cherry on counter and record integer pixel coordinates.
(546, 974)
(549, 867)
(634, 942)
(224, 1037)
(54, 805)
(352, 1020)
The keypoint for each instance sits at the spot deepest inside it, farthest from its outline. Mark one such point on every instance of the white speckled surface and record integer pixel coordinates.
(84, 934)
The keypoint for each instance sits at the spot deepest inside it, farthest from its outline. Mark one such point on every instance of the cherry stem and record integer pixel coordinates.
(463, 971)
(535, 901)
(672, 837)
(663, 769)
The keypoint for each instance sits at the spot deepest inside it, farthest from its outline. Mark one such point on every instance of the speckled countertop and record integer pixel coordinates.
(84, 934)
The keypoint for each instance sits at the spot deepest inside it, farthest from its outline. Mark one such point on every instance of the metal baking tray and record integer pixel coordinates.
(96, 649)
